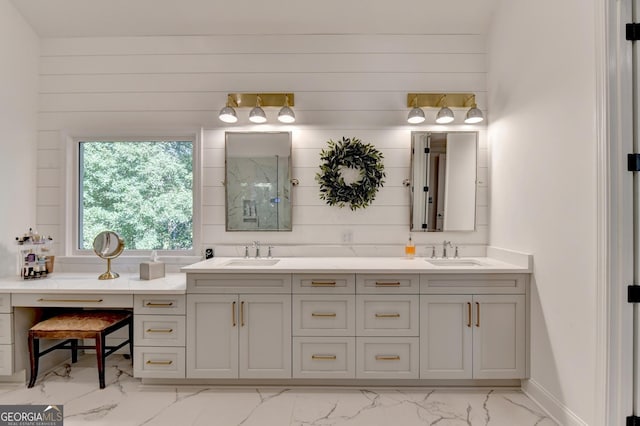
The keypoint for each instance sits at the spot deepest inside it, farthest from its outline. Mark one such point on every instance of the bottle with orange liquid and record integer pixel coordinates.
(410, 249)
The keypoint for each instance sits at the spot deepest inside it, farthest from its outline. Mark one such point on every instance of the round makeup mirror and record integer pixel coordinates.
(108, 245)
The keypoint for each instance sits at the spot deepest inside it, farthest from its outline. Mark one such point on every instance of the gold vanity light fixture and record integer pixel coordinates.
(444, 101)
(256, 101)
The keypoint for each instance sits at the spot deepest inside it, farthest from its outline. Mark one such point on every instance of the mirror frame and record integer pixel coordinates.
(412, 183)
(109, 275)
(289, 181)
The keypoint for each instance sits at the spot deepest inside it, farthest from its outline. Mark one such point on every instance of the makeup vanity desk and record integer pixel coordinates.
(157, 304)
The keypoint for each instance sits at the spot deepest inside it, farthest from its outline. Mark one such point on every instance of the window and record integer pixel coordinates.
(141, 189)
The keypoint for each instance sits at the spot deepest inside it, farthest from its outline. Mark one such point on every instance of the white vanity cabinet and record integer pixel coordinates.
(239, 335)
(387, 326)
(159, 335)
(473, 336)
(362, 325)
(324, 326)
(6, 336)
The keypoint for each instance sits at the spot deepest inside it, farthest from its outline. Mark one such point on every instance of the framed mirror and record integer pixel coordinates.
(258, 181)
(443, 181)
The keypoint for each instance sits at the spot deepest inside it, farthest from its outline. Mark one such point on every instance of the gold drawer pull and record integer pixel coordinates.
(323, 283)
(233, 313)
(387, 357)
(396, 315)
(71, 300)
(324, 357)
(159, 362)
(387, 284)
(324, 314)
(159, 330)
(159, 305)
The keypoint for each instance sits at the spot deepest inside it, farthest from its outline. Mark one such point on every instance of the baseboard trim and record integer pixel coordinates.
(559, 412)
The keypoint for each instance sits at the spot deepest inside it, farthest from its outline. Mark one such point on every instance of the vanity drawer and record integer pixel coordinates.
(5, 303)
(6, 360)
(73, 300)
(239, 283)
(324, 315)
(6, 328)
(159, 362)
(159, 304)
(324, 283)
(387, 283)
(387, 357)
(159, 330)
(387, 315)
(473, 283)
(324, 357)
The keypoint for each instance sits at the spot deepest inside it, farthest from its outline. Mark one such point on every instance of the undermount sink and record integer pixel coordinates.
(252, 262)
(454, 262)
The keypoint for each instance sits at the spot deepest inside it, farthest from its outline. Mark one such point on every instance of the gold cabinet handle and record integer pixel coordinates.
(159, 362)
(72, 300)
(323, 283)
(324, 357)
(468, 314)
(387, 284)
(159, 305)
(395, 315)
(387, 357)
(324, 314)
(477, 314)
(242, 314)
(159, 330)
(233, 313)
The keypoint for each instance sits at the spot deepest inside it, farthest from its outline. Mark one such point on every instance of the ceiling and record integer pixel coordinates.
(95, 18)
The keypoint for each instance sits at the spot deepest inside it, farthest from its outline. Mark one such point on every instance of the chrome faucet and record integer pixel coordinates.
(256, 245)
(445, 243)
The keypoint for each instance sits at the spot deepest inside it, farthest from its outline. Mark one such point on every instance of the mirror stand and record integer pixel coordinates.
(109, 275)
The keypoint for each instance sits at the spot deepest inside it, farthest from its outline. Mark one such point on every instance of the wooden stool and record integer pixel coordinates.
(79, 325)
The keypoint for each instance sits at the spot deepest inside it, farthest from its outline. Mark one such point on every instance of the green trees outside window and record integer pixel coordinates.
(141, 190)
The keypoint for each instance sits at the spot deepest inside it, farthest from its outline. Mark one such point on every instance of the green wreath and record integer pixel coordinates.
(350, 153)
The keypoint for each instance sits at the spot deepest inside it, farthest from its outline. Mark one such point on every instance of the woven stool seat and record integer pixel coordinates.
(79, 322)
(79, 325)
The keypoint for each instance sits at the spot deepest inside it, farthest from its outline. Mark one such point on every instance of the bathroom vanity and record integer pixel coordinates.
(303, 320)
(357, 318)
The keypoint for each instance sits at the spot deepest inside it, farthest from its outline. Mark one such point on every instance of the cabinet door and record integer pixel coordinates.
(446, 337)
(212, 336)
(499, 337)
(265, 336)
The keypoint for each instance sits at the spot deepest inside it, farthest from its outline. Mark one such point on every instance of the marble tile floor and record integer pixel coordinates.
(125, 401)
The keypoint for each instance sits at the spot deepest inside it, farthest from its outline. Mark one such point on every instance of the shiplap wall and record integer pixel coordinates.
(345, 85)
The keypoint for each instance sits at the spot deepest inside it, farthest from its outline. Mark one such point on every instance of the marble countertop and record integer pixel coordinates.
(375, 265)
(87, 283)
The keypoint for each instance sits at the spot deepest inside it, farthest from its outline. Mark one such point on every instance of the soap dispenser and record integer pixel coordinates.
(410, 249)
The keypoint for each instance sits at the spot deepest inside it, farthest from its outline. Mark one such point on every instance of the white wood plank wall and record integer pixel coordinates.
(344, 85)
